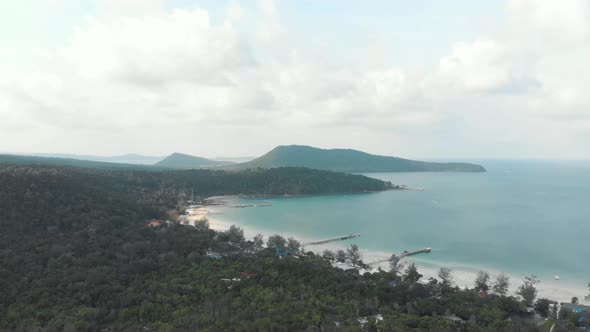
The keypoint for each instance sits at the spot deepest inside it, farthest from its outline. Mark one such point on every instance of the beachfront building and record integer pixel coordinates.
(581, 313)
(154, 223)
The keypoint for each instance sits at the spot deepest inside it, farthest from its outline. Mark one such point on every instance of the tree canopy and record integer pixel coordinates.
(76, 255)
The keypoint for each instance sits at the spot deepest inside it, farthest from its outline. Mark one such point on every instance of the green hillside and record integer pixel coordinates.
(77, 256)
(347, 160)
(129, 158)
(185, 161)
(34, 160)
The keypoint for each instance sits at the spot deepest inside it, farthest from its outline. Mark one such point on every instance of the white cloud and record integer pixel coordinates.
(116, 8)
(556, 36)
(181, 77)
(181, 45)
(269, 28)
(483, 66)
(559, 22)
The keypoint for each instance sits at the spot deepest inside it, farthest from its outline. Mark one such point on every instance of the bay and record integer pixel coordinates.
(520, 217)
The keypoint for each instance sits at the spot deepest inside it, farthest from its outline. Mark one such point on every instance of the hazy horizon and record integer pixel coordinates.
(238, 158)
(453, 80)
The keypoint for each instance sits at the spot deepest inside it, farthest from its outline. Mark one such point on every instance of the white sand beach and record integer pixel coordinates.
(199, 213)
(464, 276)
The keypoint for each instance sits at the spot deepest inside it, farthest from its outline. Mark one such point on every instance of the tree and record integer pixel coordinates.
(482, 281)
(130, 277)
(354, 255)
(329, 255)
(587, 297)
(276, 241)
(574, 300)
(396, 265)
(258, 242)
(527, 290)
(542, 306)
(564, 326)
(446, 277)
(340, 256)
(201, 224)
(235, 235)
(501, 284)
(293, 244)
(412, 274)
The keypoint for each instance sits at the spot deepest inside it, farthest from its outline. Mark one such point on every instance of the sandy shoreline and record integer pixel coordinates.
(197, 214)
(558, 290)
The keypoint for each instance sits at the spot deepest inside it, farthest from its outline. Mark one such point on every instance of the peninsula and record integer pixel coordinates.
(348, 161)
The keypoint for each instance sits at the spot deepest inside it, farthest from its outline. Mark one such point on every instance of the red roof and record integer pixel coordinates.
(154, 223)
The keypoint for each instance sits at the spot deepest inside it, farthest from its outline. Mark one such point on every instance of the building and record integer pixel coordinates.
(583, 312)
(214, 255)
(154, 223)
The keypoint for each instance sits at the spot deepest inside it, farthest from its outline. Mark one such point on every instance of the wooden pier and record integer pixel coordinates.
(402, 255)
(248, 205)
(415, 252)
(340, 238)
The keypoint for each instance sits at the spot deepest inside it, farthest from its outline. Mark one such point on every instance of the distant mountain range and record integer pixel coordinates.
(130, 158)
(53, 161)
(185, 161)
(347, 160)
(339, 160)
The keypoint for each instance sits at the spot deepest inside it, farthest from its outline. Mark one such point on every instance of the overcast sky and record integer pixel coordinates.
(421, 79)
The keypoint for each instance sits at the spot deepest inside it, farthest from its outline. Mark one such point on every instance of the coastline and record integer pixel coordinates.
(205, 212)
(221, 200)
(464, 275)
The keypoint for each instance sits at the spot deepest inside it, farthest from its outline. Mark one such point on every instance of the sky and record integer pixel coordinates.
(417, 79)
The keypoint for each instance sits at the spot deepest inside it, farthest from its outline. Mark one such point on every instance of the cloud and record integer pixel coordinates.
(181, 45)
(270, 31)
(171, 69)
(483, 66)
(178, 69)
(560, 22)
(182, 77)
(117, 8)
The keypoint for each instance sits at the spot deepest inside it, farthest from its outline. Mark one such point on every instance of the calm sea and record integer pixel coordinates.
(520, 217)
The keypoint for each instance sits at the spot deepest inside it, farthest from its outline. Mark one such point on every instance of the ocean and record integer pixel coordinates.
(520, 218)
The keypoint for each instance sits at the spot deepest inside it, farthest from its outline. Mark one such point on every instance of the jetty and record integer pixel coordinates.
(415, 252)
(249, 205)
(402, 255)
(334, 239)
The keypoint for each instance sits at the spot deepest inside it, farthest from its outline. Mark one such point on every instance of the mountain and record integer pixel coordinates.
(130, 158)
(35, 160)
(185, 161)
(347, 160)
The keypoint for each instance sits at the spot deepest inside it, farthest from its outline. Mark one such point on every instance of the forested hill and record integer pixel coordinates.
(31, 195)
(185, 161)
(204, 182)
(347, 160)
(76, 255)
(56, 161)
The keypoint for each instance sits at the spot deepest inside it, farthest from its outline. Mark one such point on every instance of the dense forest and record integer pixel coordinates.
(76, 255)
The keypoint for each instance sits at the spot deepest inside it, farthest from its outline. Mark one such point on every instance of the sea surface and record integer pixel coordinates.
(520, 217)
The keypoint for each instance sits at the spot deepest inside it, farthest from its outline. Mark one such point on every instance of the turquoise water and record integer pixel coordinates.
(519, 218)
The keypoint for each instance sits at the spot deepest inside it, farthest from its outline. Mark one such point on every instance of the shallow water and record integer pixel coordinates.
(519, 218)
